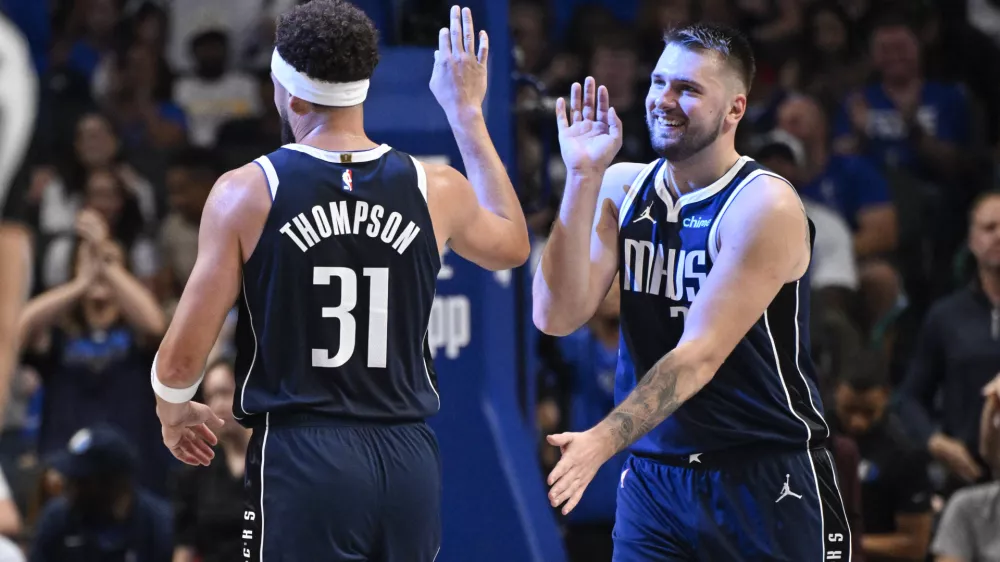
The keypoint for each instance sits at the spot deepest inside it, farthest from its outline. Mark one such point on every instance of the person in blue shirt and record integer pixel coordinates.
(904, 121)
(846, 183)
(581, 391)
(103, 516)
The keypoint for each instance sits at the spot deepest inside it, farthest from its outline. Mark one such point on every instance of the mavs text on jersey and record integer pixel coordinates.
(668, 245)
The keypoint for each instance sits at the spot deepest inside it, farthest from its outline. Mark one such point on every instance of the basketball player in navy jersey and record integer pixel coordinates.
(716, 394)
(331, 247)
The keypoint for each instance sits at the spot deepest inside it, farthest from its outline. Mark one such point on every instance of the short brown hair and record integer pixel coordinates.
(329, 41)
(728, 43)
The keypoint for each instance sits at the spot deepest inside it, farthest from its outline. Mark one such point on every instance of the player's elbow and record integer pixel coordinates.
(175, 368)
(551, 322)
(515, 254)
(701, 359)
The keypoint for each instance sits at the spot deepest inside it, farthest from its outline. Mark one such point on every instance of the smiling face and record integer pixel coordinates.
(694, 98)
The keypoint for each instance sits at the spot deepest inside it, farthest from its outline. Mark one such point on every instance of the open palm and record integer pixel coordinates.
(591, 135)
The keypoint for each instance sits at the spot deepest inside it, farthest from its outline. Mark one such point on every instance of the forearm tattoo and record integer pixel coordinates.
(654, 398)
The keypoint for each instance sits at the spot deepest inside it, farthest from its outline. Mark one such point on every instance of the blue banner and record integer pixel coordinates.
(494, 505)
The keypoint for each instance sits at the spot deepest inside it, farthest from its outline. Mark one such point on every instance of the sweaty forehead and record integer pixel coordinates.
(701, 65)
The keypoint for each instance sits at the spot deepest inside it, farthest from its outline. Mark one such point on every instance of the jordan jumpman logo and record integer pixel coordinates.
(786, 491)
(646, 215)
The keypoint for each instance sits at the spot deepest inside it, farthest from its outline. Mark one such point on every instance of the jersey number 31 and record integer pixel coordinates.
(378, 315)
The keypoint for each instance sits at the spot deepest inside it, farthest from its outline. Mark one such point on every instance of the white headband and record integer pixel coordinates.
(335, 94)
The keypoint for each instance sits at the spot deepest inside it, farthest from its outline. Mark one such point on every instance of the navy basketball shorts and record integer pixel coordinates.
(781, 507)
(341, 493)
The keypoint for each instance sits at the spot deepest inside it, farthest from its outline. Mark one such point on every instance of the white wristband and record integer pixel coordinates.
(173, 395)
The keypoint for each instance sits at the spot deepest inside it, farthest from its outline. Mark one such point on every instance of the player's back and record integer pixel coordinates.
(337, 294)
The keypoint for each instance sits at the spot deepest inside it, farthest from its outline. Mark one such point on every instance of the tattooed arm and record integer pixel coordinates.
(762, 248)
(764, 245)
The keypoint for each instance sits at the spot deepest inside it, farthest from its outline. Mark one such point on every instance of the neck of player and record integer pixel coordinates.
(703, 168)
(335, 130)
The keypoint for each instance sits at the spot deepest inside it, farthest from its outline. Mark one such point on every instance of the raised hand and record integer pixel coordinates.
(459, 78)
(88, 264)
(92, 227)
(591, 135)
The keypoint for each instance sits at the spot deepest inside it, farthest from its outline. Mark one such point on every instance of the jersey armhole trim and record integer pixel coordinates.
(633, 190)
(421, 177)
(272, 175)
(714, 243)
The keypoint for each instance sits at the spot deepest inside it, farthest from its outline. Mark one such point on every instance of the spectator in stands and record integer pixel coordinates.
(103, 515)
(895, 489)
(904, 121)
(109, 212)
(833, 273)
(250, 28)
(137, 96)
(244, 139)
(847, 184)
(530, 25)
(49, 485)
(654, 16)
(190, 178)
(214, 93)
(583, 373)
(968, 528)
(96, 43)
(149, 28)
(614, 63)
(91, 341)
(59, 196)
(208, 501)
(830, 64)
(958, 353)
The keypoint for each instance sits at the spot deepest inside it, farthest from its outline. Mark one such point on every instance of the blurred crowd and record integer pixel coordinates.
(884, 115)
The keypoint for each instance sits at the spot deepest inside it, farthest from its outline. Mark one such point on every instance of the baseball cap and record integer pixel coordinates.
(95, 450)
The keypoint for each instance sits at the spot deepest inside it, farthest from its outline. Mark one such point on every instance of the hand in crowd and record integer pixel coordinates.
(989, 429)
(992, 389)
(857, 111)
(955, 456)
(110, 254)
(90, 264)
(92, 227)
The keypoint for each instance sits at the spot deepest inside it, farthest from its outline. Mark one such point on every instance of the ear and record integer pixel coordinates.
(738, 107)
(299, 106)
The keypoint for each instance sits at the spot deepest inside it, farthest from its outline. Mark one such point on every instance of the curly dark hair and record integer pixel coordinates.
(328, 40)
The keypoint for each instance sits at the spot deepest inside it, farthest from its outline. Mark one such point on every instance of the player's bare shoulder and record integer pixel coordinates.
(239, 202)
(770, 212)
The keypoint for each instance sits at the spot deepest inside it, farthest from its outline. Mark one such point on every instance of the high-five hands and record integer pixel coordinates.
(591, 135)
(459, 78)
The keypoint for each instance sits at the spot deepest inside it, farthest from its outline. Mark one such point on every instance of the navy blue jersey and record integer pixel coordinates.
(337, 294)
(765, 393)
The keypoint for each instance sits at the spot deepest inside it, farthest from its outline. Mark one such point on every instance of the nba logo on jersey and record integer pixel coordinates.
(348, 181)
